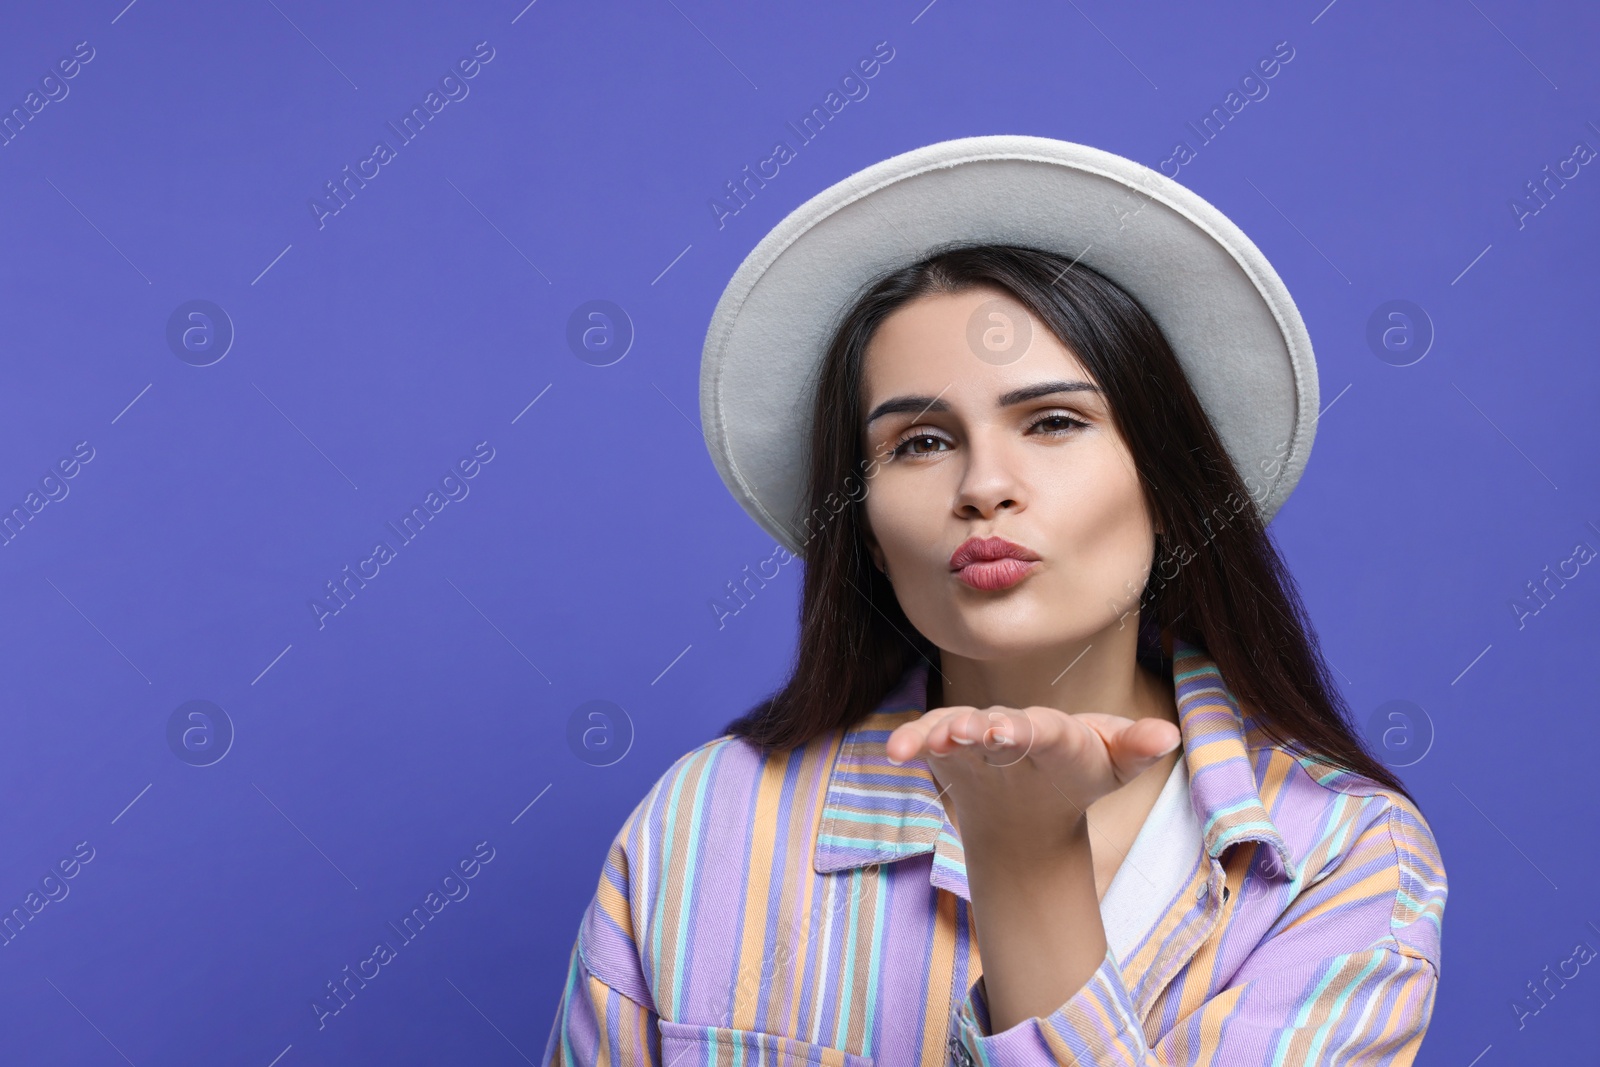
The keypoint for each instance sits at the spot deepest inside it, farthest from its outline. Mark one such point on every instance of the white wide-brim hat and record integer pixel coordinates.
(1223, 309)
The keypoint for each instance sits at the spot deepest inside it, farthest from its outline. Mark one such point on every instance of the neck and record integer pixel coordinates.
(1098, 674)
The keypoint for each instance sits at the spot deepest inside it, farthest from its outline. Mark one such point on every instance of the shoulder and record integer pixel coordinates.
(1362, 848)
(715, 787)
(704, 818)
(714, 820)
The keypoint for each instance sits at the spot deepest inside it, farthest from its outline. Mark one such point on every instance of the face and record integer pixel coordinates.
(978, 440)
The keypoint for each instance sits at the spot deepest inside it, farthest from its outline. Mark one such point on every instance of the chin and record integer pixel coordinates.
(998, 639)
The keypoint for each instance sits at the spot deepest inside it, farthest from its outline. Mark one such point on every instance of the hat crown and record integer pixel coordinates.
(1226, 313)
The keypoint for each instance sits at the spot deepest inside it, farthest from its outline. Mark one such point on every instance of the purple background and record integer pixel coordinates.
(371, 354)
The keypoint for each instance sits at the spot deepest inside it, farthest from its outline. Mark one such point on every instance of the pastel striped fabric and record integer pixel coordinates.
(812, 908)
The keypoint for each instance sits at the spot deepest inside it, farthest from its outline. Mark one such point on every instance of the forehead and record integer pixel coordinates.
(975, 344)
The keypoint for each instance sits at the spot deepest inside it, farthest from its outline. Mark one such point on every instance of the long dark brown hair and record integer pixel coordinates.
(1216, 580)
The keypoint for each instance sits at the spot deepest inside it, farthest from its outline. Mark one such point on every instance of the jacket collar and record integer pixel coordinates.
(876, 812)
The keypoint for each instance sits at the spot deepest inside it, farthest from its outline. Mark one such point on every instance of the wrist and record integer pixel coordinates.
(1064, 844)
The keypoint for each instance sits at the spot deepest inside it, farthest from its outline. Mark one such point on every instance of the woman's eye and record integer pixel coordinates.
(1064, 423)
(919, 445)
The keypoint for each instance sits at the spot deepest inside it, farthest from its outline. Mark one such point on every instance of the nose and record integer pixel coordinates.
(989, 480)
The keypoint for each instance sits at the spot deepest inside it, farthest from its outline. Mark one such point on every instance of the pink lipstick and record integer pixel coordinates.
(992, 563)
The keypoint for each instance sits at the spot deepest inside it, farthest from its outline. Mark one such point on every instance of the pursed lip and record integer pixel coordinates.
(982, 549)
(990, 564)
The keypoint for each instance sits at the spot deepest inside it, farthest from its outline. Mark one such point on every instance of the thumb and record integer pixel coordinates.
(1142, 743)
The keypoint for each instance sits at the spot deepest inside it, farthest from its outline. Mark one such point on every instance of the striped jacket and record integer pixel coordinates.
(812, 908)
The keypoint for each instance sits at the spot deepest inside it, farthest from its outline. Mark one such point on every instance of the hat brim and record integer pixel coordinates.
(1224, 310)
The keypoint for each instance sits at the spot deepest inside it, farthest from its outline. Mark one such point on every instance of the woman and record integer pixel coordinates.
(1055, 696)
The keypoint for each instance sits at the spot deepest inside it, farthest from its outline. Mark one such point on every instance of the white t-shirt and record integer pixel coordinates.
(1158, 864)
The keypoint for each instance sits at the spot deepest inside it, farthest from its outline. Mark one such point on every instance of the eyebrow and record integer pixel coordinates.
(920, 404)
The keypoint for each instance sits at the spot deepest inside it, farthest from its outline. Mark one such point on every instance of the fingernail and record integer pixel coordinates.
(892, 760)
(962, 740)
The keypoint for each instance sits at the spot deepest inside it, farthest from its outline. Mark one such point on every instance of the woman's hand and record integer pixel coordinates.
(1020, 780)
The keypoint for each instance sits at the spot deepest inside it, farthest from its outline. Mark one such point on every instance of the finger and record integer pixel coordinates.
(1029, 730)
(1156, 737)
(954, 727)
(1134, 749)
(1002, 728)
(909, 741)
(905, 743)
(963, 726)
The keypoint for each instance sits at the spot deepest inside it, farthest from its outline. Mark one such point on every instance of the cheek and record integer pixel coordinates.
(1102, 536)
(898, 515)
